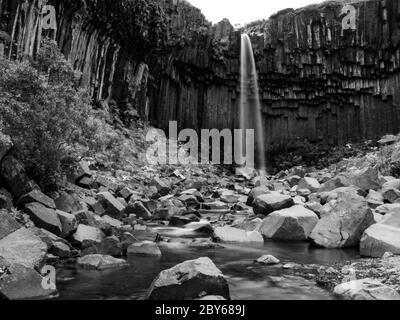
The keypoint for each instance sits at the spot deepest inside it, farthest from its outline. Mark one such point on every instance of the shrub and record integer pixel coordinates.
(48, 118)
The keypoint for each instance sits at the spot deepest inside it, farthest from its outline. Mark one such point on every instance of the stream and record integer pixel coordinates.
(247, 280)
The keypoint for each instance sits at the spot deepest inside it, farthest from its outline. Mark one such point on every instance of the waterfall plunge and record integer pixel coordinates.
(250, 106)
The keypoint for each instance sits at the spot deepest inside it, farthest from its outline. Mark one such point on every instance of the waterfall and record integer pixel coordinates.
(250, 106)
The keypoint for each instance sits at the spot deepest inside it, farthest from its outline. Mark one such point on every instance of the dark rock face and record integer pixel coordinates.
(317, 81)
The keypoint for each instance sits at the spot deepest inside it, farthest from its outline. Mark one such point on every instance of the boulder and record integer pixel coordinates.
(365, 289)
(56, 246)
(44, 217)
(335, 183)
(94, 205)
(267, 203)
(111, 205)
(344, 222)
(308, 183)
(8, 224)
(366, 179)
(230, 234)
(69, 224)
(18, 282)
(295, 223)
(36, 196)
(189, 280)
(254, 193)
(23, 247)
(163, 187)
(374, 199)
(139, 210)
(382, 237)
(14, 173)
(88, 234)
(100, 262)
(144, 248)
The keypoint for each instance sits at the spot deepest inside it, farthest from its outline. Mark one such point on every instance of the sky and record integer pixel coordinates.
(244, 11)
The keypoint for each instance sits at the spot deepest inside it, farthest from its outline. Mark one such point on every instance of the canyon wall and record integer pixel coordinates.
(317, 80)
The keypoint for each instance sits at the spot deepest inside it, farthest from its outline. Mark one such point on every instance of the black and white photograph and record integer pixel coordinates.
(206, 152)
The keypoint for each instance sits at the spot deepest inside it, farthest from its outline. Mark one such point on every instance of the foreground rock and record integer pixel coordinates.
(230, 234)
(382, 237)
(344, 222)
(44, 217)
(189, 280)
(23, 247)
(366, 289)
(18, 282)
(295, 223)
(101, 262)
(267, 203)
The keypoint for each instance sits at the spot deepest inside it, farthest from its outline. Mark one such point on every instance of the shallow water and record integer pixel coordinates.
(247, 280)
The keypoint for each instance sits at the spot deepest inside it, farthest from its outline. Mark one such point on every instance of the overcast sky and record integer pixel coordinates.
(244, 11)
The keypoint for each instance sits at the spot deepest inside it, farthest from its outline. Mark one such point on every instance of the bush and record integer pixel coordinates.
(49, 120)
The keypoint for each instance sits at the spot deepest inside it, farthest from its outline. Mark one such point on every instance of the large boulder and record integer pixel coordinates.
(344, 221)
(366, 289)
(14, 173)
(295, 223)
(308, 183)
(230, 234)
(56, 245)
(69, 224)
(267, 203)
(36, 196)
(23, 247)
(100, 262)
(17, 282)
(44, 217)
(88, 234)
(254, 193)
(382, 237)
(111, 205)
(366, 179)
(7, 224)
(189, 280)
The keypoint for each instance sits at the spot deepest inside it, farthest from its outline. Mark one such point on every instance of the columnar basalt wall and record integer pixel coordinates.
(316, 80)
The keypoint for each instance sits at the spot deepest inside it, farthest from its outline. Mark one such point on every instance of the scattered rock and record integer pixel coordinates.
(111, 205)
(308, 183)
(258, 191)
(69, 224)
(87, 233)
(189, 280)
(144, 248)
(36, 196)
(110, 246)
(268, 260)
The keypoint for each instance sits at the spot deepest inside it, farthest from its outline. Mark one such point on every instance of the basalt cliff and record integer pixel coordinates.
(318, 82)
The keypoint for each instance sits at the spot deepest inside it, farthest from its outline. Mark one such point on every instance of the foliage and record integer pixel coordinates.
(48, 118)
(139, 24)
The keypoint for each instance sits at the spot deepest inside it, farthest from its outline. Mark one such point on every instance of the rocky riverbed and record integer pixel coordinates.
(190, 232)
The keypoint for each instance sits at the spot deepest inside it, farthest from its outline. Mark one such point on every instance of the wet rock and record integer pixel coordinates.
(44, 217)
(14, 173)
(230, 234)
(254, 193)
(111, 205)
(69, 223)
(21, 283)
(268, 260)
(110, 246)
(344, 223)
(101, 262)
(68, 203)
(88, 234)
(189, 280)
(267, 203)
(23, 247)
(36, 196)
(366, 289)
(144, 248)
(295, 223)
(382, 237)
(8, 224)
(308, 183)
